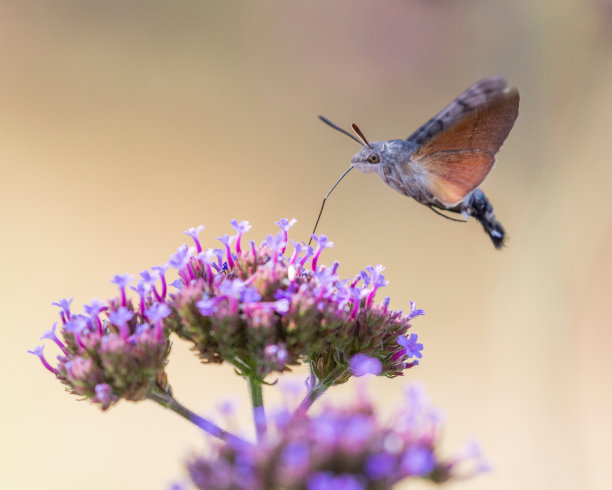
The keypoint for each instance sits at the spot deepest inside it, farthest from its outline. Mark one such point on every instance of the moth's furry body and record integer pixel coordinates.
(443, 162)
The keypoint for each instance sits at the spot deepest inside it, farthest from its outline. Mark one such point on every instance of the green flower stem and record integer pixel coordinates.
(166, 399)
(259, 414)
(315, 393)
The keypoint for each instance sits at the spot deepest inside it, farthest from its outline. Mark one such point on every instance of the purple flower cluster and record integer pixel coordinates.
(345, 448)
(115, 350)
(257, 307)
(264, 310)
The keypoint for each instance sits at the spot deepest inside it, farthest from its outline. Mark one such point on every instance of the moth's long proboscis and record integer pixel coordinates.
(325, 199)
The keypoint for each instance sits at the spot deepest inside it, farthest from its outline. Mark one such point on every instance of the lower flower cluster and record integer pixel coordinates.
(344, 448)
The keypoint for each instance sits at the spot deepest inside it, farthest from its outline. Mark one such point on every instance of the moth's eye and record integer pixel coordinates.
(374, 158)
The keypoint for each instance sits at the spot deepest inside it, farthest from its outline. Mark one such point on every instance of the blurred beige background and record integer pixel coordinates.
(124, 123)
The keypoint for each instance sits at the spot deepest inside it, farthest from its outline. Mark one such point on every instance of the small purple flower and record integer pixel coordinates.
(385, 304)
(64, 305)
(365, 277)
(284, 224)
(297, 250)
(362, 364)
(417, 461)
(157, 312)
(250, 295)
(241, 228)
(281, 306)
(307, 254)
(161, 272)
(232, 288)
(238, 289)
(295, 458)
(180, 259)
(380, 465)
(141, 329)
(277, 354)
(325, 277)
(413, 348)
(76, 325)
(376, 279)
(148, 278)
(194, 233)
(95, 307)
(208, 256)
(323, 243)
(51, 335)
(38, 351)
(227, 241)
(122, 281)
(355, 296)
(207, 306)
(277, 244)
(472, 450)
(105, 395)
(414, 312)
(143, 290)
(120, 317)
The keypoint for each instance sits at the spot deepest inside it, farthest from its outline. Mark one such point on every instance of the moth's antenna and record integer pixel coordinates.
(360, 134)
(325, 198)
(444, 216)
(338, 128)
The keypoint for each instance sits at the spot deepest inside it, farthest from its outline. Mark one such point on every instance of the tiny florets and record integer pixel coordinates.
(115, 350)
(257, 308)
(249, 303)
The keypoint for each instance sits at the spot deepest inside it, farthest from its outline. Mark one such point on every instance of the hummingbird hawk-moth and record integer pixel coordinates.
(443, 162)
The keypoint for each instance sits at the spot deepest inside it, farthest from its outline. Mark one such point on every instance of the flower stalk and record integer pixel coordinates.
(259, 413)
(165, 399)
(320, 387)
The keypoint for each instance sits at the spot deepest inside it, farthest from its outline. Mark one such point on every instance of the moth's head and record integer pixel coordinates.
(369, 158)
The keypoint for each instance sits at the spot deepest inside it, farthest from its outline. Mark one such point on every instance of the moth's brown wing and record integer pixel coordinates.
(478, 94)
(459, 158)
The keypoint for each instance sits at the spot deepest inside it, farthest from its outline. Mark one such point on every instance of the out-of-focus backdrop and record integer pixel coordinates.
(124, 123)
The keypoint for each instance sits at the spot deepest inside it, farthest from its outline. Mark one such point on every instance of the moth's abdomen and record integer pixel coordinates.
(478, 206)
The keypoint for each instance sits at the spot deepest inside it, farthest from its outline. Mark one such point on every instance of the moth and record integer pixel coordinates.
(443, 162)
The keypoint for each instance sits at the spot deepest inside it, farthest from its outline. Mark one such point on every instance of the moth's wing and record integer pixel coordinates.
(478, 94)
(458, 158)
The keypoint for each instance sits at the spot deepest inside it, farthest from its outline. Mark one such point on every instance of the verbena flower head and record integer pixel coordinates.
(116, 349)
(259, 308)
(343, 447)
(266, 308)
